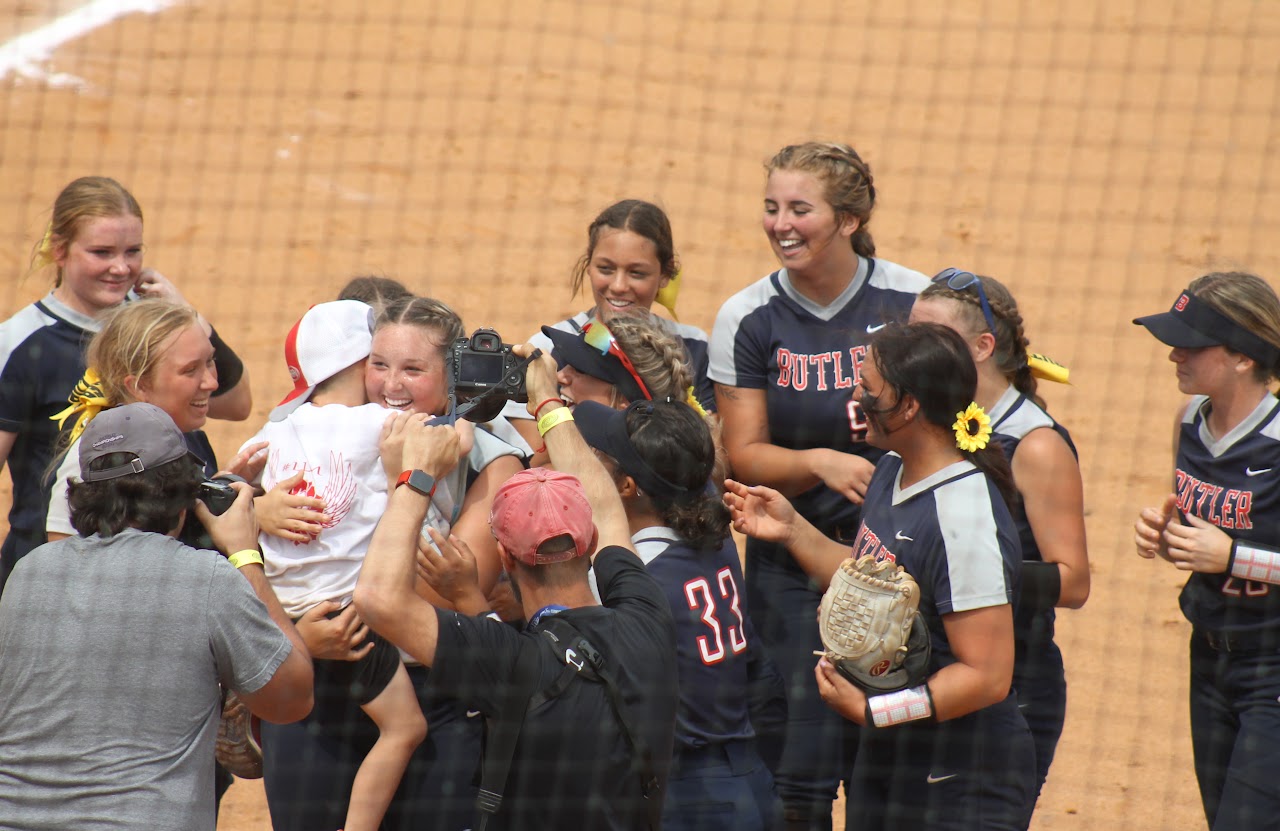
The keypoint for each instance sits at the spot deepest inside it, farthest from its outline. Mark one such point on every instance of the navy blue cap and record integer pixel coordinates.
(570, 348)
(1194, 324)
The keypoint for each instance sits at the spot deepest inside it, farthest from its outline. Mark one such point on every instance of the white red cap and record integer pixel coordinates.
(329, 338)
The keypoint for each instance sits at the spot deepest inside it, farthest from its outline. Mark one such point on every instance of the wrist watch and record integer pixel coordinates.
(419, 480)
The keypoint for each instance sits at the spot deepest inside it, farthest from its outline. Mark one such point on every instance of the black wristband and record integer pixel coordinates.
(1041, 585)
(227, 362)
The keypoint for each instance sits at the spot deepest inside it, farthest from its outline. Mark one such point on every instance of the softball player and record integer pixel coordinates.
(630, 263)
(1222, 524)
(785, 355)
(661, 455)
(94, 241)
(1050, 509)
(953, 752)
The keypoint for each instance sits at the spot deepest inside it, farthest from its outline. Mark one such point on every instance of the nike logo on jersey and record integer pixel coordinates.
(933, 780)
(871, 330)
(1248, 471)
(472, 713)
(903, 537)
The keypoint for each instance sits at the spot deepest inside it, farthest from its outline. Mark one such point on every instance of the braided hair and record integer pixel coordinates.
(658, 355)
(1010, 353)
(846, 180)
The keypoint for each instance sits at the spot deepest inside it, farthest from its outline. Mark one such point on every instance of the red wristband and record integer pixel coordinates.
(538, 408)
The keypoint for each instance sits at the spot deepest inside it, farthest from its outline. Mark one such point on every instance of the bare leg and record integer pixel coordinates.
(401, 728)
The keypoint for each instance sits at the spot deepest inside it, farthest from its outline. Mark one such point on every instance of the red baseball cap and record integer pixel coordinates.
(537, 505)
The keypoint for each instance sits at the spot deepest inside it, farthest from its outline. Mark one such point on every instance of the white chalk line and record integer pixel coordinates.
(26, 55)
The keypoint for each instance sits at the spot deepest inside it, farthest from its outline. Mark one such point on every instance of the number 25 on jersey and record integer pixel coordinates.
(715, 601)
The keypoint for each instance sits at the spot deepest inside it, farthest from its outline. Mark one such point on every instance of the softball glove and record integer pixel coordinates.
(871, 627)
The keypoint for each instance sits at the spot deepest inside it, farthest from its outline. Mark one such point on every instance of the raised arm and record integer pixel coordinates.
(385, 597)
(765, 514)
(570, 454)
(288, 695)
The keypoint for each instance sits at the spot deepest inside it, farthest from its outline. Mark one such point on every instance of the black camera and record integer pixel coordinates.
(483, 371)
(217, 493)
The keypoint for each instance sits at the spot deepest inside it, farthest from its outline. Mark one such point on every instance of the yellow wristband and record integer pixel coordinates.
(240, 559)
(557, 416)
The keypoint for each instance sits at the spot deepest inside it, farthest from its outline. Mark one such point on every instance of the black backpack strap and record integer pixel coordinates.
(501, 744)
(642, 755)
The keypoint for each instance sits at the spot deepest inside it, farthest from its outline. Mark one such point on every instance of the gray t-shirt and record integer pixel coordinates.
(111, 653)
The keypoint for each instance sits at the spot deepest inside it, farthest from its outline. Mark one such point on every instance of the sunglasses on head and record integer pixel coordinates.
(958, 280)
(596, 335)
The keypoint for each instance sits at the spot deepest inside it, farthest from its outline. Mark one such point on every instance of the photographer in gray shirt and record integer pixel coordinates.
(116, 643)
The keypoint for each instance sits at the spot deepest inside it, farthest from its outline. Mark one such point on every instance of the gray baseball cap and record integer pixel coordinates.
(142, 430)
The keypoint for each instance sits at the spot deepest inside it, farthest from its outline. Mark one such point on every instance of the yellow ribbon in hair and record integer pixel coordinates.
(86, 400)
(1047, 370)
(44, 251)
(692, 401)
(667, 295)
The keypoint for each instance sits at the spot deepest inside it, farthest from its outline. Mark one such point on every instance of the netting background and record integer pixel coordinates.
(1093, 155)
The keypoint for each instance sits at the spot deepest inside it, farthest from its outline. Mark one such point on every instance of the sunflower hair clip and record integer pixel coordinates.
(973, 428)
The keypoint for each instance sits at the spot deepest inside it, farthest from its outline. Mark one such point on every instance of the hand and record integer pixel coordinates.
(435, 450)
(391, 444)
(503, 601)
(840, 694)
(237, 529)
(152, 283)
(343, 637)
(1150, 527)
(760, 512)
(540, 377)
(1197, 546)
(290, 516)
(845, 474)
(249, 462)
(449, 567)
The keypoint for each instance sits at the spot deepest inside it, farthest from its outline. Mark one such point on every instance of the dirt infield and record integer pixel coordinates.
(1094, 156)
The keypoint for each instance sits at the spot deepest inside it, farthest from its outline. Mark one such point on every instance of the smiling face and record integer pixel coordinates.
(625, 273)
(879, 404)
(801, 225)
(576, 387)
(182, 379)
(100, 263)
(406, 370)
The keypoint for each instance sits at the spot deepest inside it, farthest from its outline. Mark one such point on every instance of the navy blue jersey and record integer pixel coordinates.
(807, 358)
(1234, 483)
(1012, 418)
(952, 532)
(713, 635)
(41, 360)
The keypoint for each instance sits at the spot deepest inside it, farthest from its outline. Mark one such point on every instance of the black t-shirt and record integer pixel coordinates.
(572, 764)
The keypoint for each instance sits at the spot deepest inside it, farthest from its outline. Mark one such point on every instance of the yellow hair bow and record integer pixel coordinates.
(1047, 370)
(44, 251)
(692, 401)
(667, 295)
(86, 400)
